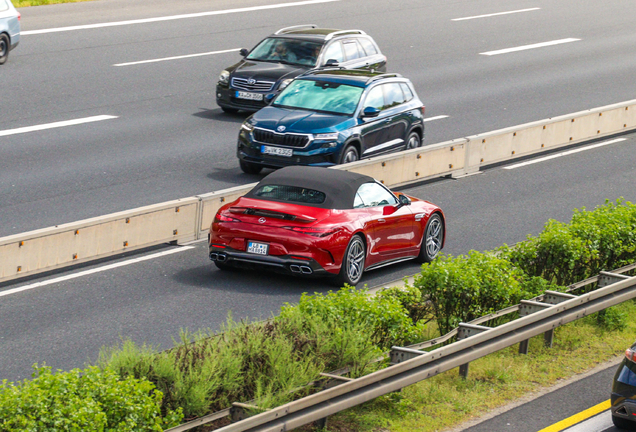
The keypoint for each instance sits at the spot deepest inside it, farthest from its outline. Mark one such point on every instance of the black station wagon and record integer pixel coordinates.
(278, 59)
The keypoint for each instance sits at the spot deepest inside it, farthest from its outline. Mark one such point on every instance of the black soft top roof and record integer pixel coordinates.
(339, 186)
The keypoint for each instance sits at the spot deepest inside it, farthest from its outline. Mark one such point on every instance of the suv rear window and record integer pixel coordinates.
(3, 5)
(291, 193)
(368, 46)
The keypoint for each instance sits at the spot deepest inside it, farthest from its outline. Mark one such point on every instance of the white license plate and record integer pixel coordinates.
(249, 96)
(277, 151)
(257, 248)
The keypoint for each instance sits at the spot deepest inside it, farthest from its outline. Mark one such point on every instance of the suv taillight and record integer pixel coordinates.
(19, 16)
(423, 108)
(630, 354)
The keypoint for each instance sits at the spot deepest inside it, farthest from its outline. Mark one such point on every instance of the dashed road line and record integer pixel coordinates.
(56, 125)
(439, 117)
(177, 57)
(531, 46)
(495, 14)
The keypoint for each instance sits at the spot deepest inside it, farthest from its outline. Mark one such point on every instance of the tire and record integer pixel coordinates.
(432, 239)
(350, 154)
(229, 110)
(413, 141)
(250, 168)
(622, 423)
(4, 48)
(352, 263)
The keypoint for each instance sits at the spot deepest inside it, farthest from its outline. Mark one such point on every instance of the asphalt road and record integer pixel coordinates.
(169, 140)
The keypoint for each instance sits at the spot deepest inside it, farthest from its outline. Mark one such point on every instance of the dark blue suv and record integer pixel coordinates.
(334, 116)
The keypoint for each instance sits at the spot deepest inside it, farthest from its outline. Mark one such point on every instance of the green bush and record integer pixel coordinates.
(82, 400)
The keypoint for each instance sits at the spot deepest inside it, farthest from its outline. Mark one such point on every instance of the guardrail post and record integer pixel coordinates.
(466, 330)
(553, 298)
(528, 307)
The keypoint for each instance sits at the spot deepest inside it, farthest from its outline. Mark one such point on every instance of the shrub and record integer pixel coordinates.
(82, 400)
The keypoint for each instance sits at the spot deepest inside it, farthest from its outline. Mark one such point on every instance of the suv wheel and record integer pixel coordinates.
(350, 154)
(250, 168)
(413, 141)
(4, 48)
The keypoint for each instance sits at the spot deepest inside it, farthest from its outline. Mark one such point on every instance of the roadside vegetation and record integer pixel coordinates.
(27, 3)
(269, 363)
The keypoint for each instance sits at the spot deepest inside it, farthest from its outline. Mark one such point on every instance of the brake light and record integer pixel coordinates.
(222, 218)
(423, 108)
(19, 16)
(314, 232)
(630, 354)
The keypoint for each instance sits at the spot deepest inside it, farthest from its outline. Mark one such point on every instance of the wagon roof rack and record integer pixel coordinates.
(384, 75)
(296, 27)
(343, 32)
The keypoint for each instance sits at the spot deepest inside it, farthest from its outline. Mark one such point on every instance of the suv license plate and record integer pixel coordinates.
(249, 96)
(277, 151)
(257, 248)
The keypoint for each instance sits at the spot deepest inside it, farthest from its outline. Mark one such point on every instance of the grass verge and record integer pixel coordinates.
(27, 3)
(447, 400)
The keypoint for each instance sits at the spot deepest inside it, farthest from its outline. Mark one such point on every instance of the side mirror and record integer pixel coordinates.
(404, 200)
(370, 112)
(331, 62)
(389, 210)
(269, 98)
(243, 52)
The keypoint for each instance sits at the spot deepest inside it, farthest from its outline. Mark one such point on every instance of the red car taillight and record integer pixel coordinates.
(222, 218)
(19, 16)
(314, 232)
(423, 108)
(630, 354)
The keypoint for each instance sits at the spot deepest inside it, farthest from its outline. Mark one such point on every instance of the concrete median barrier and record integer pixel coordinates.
(189, 219)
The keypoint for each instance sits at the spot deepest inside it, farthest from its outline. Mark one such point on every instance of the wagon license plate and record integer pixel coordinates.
(257, 248)
(249, 96)
(277, 151)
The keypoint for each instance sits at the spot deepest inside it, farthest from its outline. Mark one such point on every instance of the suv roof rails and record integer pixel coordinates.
(343, 32)
(384, 75)
(297, 27)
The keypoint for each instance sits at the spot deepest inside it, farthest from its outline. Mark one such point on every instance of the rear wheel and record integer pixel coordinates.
(622, 423)
(4, 48)
(350, 154)
(250, 168)
(432, 239)
(352, 263)
(229, 110)
(413, 141)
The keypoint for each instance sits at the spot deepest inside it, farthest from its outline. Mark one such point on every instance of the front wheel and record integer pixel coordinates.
(432, 239)
(4, 48)
(352, 263)
(350, 154)
(249, 168)
(622, 423)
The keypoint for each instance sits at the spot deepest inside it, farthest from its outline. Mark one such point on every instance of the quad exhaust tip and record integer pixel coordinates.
(300, 269)
(220, 257)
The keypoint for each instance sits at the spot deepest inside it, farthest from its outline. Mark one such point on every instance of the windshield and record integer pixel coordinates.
(320, 96)
(288, 51)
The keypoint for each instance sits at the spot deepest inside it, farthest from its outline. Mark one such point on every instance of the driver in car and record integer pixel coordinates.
(282, 53)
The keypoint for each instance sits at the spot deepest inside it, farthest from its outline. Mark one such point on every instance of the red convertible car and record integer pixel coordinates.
(315, 221)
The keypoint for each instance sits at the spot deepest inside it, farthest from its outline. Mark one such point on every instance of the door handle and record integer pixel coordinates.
(381, 220)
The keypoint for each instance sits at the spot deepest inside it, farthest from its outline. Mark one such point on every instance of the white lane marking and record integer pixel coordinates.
(174, 17)
(177, 57)
(532, 46)
(436, 118)
(565, 153)
(95, 270)
(56, 125)
(495, 14)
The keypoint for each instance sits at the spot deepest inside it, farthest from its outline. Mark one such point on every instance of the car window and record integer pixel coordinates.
(374, 195)
(351, 50)
(333, 52)
(3, 6)
(393, 95)
(285, 50)
(408, 94)
(324, 96)
(375, 98)
(357, 201)
(368, 46)
(291, 193)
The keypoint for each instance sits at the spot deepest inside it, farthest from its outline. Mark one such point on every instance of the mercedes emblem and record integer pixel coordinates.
(281, 128)
(251, 81)
(262, 220)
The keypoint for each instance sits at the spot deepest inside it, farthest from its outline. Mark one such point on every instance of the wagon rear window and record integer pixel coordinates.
(291, 193)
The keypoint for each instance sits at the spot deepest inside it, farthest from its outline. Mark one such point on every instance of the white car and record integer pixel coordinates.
(9, 29)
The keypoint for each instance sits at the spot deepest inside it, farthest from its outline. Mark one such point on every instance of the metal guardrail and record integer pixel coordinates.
(411, 364)
(190, 218)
